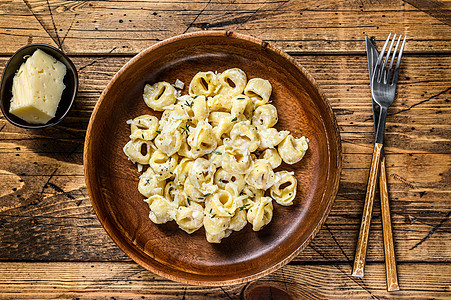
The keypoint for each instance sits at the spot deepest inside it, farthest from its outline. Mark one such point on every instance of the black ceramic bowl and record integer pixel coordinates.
(67, 98)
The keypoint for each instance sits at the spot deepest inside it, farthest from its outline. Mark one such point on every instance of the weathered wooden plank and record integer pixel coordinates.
(99, 27)
(130, 281)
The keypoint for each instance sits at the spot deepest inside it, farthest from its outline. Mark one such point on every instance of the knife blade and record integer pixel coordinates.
(372, 54)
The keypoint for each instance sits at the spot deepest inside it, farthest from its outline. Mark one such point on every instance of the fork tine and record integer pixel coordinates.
(378, 70)
(394, 55)
(387, 57)
(398, 62)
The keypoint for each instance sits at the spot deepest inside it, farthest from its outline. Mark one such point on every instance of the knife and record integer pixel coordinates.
(390, 261)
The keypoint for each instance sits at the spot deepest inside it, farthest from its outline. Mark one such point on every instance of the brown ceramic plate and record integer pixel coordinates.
(165, 249)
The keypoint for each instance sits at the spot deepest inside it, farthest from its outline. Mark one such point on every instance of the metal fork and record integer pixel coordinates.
(383, 86)
(383, 89)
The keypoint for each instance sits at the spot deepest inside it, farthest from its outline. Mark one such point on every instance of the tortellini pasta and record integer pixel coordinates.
(144, 127)
(204, 83)
(284, 188)
(190, 218)
(272, 156)
(232, 81)
(261, 176)
(260, 213)
(265, 116)
(214, 155)
(139, 151)
(150, 184)
(159, 95)
(259, 90)
(292, 149)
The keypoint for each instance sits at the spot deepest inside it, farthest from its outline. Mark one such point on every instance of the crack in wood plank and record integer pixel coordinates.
(416, 104)
(336, 242)
(197, 16)
(435, 9)
(60, 190)
(227, 294)
(358, 281)
(70, 27)
(46, 184)
(54, 26)
(418, 220)
(433, 230)
(95, 61)
(40, 22)
(421, 102)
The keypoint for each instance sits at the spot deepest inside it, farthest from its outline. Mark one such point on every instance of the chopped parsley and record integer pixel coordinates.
(189, 202)
(217, 153)
(158, 131)
(245, 206)
(213, 216)
(190, 104)
(234, 119)
(185, 129)
(204, 196)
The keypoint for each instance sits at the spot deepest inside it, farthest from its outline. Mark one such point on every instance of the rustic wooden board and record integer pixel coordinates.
(44, 199)
(100, 27)
(130, 281)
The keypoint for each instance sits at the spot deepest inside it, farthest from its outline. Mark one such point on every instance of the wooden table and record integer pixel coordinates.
(52, 244)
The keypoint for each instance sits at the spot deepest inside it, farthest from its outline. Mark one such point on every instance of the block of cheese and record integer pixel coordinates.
(37, 88)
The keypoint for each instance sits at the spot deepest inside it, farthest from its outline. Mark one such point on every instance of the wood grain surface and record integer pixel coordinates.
(53, 246)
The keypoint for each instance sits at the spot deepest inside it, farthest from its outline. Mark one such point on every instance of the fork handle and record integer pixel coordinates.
(362, 244)
(389, 250)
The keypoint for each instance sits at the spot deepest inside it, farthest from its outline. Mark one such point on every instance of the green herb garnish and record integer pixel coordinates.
(244, 206)
(190, 104)
(213, 216)
(158, 131)
(185, 129)
(234, 119)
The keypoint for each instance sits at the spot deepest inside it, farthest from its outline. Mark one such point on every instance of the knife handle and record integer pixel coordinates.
(362, 244)
(389, 250)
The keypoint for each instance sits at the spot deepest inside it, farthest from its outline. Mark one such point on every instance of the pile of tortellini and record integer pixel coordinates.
(212, 154)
